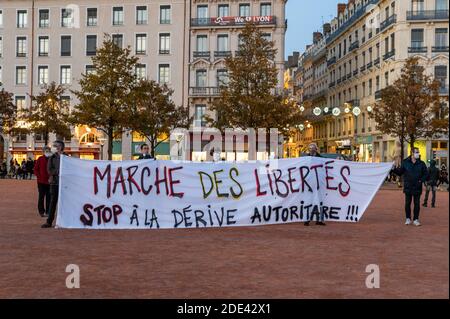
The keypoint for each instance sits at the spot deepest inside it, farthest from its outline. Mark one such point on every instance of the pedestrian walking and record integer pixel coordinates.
(314, 152)
(30, 166)
(443, 176)
(431, 184)
(40, 170)
(415, 173)
(53, 172)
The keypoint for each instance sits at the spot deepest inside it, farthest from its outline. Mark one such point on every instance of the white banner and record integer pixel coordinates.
(151, 194)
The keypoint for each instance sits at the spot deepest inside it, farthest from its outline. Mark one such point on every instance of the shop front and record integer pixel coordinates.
(364, 149)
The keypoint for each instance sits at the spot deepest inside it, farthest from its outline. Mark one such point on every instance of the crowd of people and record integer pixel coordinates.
(24, 170)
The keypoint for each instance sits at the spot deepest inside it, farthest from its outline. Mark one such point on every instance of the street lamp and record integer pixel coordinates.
(102, 141)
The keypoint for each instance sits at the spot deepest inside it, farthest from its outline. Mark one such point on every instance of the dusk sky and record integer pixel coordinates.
(305, 17)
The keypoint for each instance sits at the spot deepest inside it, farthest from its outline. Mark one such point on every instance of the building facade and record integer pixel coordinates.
(179, 42)
(367, 47)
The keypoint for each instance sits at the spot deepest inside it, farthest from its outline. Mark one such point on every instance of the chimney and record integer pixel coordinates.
(326, 29)
(317, 36)
(341, 8)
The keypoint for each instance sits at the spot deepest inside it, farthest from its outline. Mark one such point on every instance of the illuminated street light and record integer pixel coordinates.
(336, 111)
(356, 111)
(317, 111)
(369, 109)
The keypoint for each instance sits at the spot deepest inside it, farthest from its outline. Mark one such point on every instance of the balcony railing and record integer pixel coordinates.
(201, 54)
(376, 61)
(389, 54)
(204, 91)
(417, 49)
(353, 46)
(331, 61)
(369, 65)
(232, 21)
(338, 81)
(388, 22)
(363, 68)
(355, 72)
(332, 84)
(427, 15)
(440, 49)
(164, 52)
(222, 54)
(349, 75)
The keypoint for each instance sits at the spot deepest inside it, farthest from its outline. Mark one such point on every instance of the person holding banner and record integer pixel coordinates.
(313, 151)
(53, 172)
(415, 173)
(145, 149)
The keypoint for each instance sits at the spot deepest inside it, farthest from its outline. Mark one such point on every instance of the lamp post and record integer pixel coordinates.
(102, 141)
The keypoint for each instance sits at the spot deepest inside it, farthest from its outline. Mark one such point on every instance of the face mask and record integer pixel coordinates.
(54, 149)
(48, 154)
(416, 155)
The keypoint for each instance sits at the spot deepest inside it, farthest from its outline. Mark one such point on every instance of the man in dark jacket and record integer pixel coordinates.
(40, 170)
(53, 172)
(415, 173)
(145, 149)
(431, 184)
(314, 152)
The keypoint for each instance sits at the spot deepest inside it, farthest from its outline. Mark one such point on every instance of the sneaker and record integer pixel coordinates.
(321, 223)
(408, 221)
(417, 223)
(46, 225)
(306, 223)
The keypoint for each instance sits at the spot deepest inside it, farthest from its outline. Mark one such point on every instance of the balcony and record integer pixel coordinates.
(427, 15)
(349, 75)
(320, 94)
(338, 81)
(389, 54)
(417, 49)
(222, 54)
(331, 61)
(232, 21)
(332, 84)
(201, 54)
(376, 61)
(388, 22)
(363, 68)
(369, 65)
(204, 91)
(355, 72)
(378, 95)
(353, 46)
(164, 52)
(439, 49)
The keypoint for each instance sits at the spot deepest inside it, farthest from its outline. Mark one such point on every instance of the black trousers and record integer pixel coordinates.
(53, 203)
(408, 199)
(44, 196)
(433, 195)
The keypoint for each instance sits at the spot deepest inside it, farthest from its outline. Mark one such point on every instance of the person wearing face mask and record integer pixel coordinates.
(40, 170)
(313, 151)
(415, 173)
(53, 172)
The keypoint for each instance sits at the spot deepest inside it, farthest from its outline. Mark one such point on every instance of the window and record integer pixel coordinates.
(141, 15)
(118, 40)
(1, 18)
(386, 78)
(65, 74)
(22, 18)
(222, 77)
(370, 86)
(377, 83)
(440, 74)
(43, 45)
(202, 43)
(20, 102)
(141, 43)
(91, 44)
(91, 20)
(266, 9)
(244, 10)
(21, 47)
(21, 75)
(42, 75)
(441, 5)
(44, 18)
(417, 5)
(117, 16)
(164, 73)
(199, 115)
(164, 15)
(222, 42)
(1, 46)
(200, 78)
(441, 36)
(164, 43)
(202, 12)
(417, 38)
(141, 71)
(90, 69)
(66, 45)
(67, 18)
(223, 10)
(65, 102)
(267, 36)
